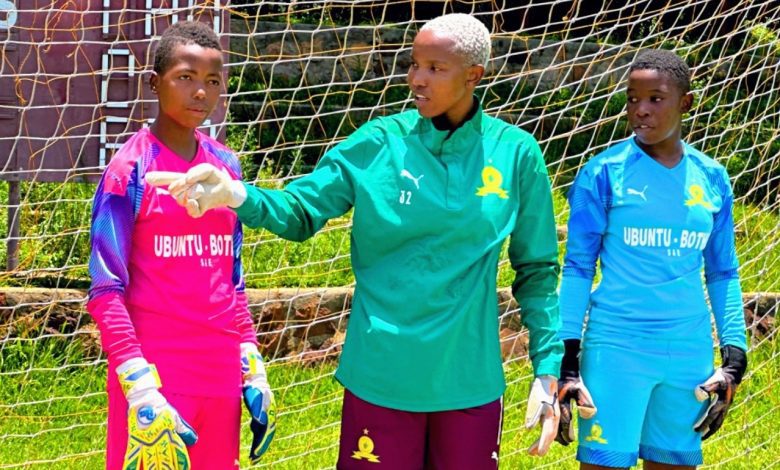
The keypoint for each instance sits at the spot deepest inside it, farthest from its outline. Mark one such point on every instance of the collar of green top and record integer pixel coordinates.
(441, 122)
(451, 141)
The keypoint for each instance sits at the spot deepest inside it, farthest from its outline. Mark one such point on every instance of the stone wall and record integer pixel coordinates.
(302, 325)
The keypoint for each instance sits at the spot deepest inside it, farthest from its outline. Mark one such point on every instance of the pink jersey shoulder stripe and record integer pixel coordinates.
(140, 147)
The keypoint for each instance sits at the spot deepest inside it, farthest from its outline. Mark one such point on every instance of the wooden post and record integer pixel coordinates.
(12, 260)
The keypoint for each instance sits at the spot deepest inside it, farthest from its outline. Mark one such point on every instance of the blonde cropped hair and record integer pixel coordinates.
(472, 38)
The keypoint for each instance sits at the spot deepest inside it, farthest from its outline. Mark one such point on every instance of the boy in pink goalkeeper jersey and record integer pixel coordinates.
(167, 290)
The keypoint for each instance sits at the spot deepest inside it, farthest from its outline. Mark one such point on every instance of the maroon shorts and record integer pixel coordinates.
(374, 437)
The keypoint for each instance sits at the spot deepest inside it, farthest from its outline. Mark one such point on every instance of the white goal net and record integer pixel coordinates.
(302, 76)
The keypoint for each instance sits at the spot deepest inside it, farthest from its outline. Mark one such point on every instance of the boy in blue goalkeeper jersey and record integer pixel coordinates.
(653, 210)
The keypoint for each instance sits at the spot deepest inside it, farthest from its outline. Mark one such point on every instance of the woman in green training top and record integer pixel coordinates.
(435, 193)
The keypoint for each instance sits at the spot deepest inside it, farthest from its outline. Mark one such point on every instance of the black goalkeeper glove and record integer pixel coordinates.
(571, 388)
(720, 389)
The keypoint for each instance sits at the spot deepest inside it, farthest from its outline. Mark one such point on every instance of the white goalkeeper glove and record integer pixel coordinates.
(259, 401)
(543, 407)
(202, 188)
(157, 435)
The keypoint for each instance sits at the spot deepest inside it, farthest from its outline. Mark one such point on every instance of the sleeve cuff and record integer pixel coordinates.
(549, 366)
(248, 212)
(726, 302)
(574, 301)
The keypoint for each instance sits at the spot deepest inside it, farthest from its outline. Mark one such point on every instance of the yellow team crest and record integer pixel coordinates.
(697, 197)
(491, 183)
(595, 434)
(365, 449)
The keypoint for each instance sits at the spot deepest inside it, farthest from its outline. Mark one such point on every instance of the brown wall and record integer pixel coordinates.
(302, 325)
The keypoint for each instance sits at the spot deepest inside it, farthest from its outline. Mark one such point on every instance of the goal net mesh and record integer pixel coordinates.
(302, 76)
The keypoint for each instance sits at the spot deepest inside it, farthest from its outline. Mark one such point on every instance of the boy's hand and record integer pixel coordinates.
(259, 401)
(720, 389)
(571, 388)
(157, 435)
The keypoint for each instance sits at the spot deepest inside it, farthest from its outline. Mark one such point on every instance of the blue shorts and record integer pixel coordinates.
(644, 392)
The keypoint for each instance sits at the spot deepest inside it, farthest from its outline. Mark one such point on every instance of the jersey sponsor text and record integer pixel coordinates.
(664, 238)
(176, 246)
(635, 236)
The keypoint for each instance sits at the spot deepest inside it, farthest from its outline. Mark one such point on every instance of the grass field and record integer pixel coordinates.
(52, 416)
(55, 234)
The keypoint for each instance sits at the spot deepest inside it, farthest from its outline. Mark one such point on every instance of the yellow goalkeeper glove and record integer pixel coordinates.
(157, 435)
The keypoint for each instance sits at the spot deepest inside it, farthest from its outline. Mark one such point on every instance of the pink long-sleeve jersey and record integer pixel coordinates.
(165, 286)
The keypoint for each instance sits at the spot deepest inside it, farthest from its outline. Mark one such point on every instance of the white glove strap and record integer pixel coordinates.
(252, 366)
(254, 372)
(137, 376)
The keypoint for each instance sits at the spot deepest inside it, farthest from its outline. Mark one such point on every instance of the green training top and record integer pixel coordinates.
(432, 209)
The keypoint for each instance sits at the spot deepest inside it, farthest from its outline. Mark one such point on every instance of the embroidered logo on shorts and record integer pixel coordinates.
(365, 449)
(595, 434)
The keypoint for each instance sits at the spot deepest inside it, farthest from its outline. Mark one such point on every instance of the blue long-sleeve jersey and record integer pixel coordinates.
(652, 228)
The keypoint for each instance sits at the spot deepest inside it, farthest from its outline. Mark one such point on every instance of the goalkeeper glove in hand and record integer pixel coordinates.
(571, 388)
(720, 389)
(202, 188)
(259, 401)
(543, 406)
(157, 435)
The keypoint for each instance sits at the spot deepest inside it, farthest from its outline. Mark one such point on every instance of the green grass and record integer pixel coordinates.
(56, 249)
(52, 415)
(56, 246)
(758, 248)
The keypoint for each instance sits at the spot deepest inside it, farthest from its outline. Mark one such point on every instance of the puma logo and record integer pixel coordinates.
(634, 192)
(405, 173)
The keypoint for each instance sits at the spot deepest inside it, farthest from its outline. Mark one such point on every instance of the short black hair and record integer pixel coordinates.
(183, 33)
(665, 62)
